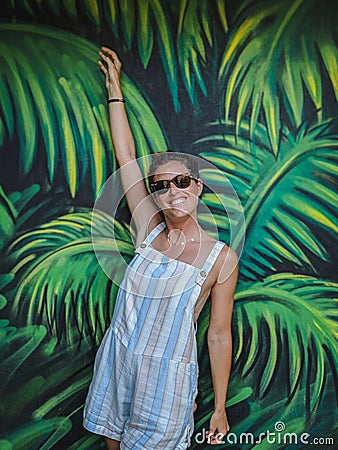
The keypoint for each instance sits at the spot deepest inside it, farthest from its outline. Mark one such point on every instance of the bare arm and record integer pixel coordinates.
(220, 344)
(132, 179)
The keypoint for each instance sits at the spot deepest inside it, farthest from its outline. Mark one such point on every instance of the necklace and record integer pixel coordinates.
(184, 242)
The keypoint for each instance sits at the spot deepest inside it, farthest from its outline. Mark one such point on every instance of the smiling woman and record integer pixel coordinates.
(143, 391)
(176, 193)
(172, 185)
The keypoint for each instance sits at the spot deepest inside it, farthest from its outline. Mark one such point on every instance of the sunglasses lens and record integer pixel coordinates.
(180, 181)
(162, 185)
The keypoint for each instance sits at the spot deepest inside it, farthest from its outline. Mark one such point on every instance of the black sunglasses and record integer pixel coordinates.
(180, 181)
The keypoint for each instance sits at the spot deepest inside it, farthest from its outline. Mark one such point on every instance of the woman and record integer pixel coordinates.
(145, 378)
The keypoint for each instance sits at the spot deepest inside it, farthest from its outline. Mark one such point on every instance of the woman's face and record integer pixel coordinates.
(175, 201)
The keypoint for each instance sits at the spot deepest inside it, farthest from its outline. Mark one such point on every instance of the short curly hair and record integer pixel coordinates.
(159, 159)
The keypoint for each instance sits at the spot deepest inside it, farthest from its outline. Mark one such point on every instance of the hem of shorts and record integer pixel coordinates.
(102, 431)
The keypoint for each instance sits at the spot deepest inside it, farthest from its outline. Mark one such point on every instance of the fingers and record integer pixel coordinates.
(103, 67)
(109, 52)
(214, 438)
(110, 55)
(215, 435)
(106, 58)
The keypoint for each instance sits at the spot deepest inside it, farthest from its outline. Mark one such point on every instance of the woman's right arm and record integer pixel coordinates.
(144, 213)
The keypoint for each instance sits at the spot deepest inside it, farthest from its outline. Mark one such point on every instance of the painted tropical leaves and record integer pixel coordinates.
(275, 139)
(59, 105)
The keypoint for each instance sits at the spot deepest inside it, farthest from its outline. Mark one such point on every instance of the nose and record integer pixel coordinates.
(172, 188)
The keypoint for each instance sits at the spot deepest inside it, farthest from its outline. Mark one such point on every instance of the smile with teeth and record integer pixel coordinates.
(177, 201)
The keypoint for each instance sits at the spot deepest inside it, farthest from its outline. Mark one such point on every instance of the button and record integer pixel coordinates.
(143, 245)
(203, 273)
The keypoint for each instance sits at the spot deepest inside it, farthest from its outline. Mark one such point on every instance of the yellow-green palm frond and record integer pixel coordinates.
(59, 281)
(274, 62)
(53, 101)
(289, 204)
(196, 24)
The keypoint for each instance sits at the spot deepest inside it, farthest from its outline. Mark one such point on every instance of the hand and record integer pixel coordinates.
(112, 71)
(218, 428)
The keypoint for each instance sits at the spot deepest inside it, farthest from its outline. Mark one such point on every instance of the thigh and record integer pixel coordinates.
(112, 444)
(162, 407)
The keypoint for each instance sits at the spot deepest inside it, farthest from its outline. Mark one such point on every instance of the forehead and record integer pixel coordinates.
(170, 169)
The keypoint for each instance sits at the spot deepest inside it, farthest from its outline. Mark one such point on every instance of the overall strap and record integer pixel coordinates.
(209, 262)
(154, 233)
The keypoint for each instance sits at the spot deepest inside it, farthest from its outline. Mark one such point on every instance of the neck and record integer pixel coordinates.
(187, 225)
(182, 233)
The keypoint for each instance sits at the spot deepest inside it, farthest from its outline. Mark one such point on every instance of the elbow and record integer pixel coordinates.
(125, 159)
(219, 337)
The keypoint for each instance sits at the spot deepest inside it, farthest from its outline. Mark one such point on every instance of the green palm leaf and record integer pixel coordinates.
(274, 61)
(145, 18)
(53, 88)
(148, 22)
(36, 433)
(58, 278)
(53, 382)
(285, 201)
(195, 30)
(146, 33)
(287, 319)
(16, 209)
(8, 215)
(30, 338)
(148, 18)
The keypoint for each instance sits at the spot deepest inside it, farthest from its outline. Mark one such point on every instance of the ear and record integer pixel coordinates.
(199, 184)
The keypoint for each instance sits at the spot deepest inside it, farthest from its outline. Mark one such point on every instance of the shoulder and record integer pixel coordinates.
(228, 255)
(226, 265)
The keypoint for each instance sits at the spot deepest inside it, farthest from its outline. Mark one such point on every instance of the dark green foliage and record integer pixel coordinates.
(261, 83)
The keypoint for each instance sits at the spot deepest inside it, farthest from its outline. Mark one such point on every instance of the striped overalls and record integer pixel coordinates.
(145, 374)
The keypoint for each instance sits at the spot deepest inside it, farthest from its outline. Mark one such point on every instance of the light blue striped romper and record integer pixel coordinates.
(145, 373)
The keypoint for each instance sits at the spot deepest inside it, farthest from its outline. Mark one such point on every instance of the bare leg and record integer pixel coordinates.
(112, 444)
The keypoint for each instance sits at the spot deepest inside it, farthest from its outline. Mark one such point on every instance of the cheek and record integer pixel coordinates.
(198, 190)
(155, 199)
(158, 200)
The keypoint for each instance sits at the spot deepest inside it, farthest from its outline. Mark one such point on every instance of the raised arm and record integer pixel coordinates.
(144, 212)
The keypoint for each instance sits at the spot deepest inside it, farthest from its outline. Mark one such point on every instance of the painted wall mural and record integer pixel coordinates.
(249, 86)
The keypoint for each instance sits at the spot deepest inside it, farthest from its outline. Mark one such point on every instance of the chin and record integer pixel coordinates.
(178, 212)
